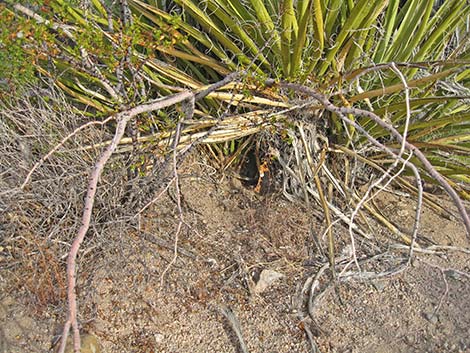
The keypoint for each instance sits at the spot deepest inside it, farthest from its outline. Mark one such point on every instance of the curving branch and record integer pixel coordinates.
(122, 118)
(342, 113)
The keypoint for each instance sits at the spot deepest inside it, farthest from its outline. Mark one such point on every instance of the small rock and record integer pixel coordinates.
(159, 338)
(453, 274)
(379, 285)
(266, 278)
(431, 318)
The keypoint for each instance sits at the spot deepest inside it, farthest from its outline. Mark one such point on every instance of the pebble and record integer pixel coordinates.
(266, 279)
(379, 285)
(431, 318)
(159, 338)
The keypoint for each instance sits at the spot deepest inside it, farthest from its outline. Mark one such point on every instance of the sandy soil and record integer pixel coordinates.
(133, 298)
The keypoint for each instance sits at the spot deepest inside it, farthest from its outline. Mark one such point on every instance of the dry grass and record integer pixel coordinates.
(39, 222)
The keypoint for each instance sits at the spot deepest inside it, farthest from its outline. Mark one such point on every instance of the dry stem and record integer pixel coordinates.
(342, 112)
(122, 118)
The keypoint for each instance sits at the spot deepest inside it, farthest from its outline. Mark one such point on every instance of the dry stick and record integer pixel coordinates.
(355, 74)
(204, 93)
(419, 205)
(436, 249)
(188, 111)
(381, 147)
(228, 79)
(302, 317)
(394, 155)
(388, 172)
(298, 159)
(323, 201)
(137, 215)
(155, 199)
(314, 285)
(235, 324)
(122, 119)
(375, 184)
(310, 337)
(342, 111)
(60, 144)
(335, 210)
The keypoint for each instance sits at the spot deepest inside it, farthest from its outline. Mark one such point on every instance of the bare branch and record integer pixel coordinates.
(122, 118)
(235, 325)
(342, 113)
(59, 145)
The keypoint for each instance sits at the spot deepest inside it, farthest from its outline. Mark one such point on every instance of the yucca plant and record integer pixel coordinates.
(108, 58)
(328, 81)
(357, 53)
(340, 48)
(404, 61)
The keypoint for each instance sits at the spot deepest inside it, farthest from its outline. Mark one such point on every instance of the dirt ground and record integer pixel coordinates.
(134, 297)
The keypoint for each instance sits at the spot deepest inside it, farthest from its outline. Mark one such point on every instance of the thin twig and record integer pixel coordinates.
(60, 144)
(235, 325)
(387, 173)
(155, 199)
(444, 277)
(436, 249)
(188, 112)
(152, 238)
(315, 194)
(122, 119)
(323, 201)
(342, 112)
(178, 205)
(419, 205)
(312, 299)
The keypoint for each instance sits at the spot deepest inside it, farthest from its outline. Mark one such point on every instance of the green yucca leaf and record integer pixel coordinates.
(79, 96)
(342, 48)
(416, 103)
(236, 27)
(266, 22)
(399, 87)
(450, 16)
(415, 32)
(363, 11)
(287, 30)
(331, 17)
(356, 46)
(213, 28)
(403, 33)
(462, 136)
(304, 12)
(388, 28)
(99, 8)
(317, 41)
